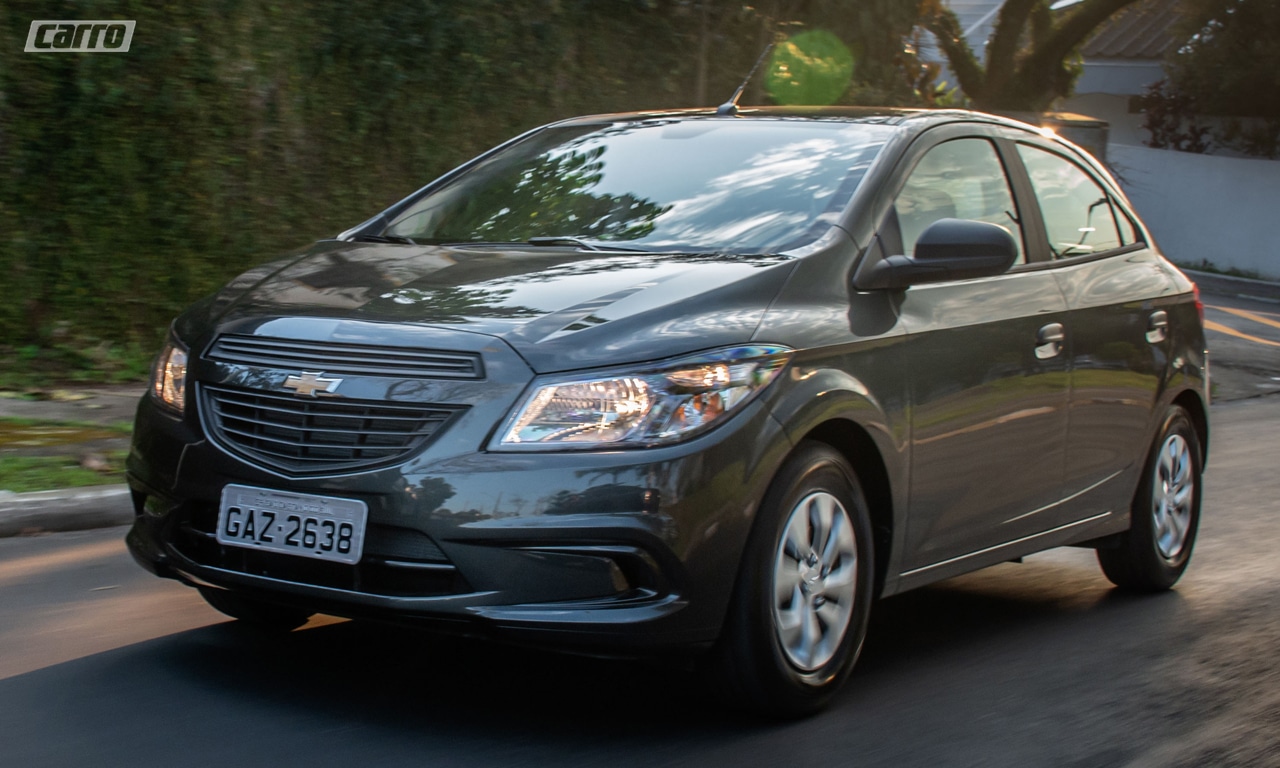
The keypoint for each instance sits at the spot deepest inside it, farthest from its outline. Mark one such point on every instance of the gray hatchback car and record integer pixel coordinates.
(681, 381)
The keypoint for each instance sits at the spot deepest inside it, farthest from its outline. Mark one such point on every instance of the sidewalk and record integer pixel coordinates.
(1240, 287)
(81, 423)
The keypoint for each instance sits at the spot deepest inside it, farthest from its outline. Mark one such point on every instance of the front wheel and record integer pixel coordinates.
(1152, 555)
(804, 590)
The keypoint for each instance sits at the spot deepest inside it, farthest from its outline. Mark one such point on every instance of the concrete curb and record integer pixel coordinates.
(1241, 287)
(71, 509)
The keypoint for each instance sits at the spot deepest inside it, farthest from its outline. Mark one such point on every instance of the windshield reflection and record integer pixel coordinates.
(700, 185)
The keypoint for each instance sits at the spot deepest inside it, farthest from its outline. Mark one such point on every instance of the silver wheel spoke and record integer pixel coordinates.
(833, 614)
(810, 636)
(820, 513)
(1177, 530)
(844, 576)
(789, 621)
(786, 587)
(832, 545)
(1173, 489)
(796, 541)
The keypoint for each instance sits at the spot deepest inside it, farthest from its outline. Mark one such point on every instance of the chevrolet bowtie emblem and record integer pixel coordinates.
(309, 384)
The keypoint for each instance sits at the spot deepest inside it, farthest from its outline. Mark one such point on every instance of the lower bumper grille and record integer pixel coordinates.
(398, 562)
(308, 436)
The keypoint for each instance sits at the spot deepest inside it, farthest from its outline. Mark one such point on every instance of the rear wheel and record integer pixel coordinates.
(255, 613)
(1152, 555)
(803, 596)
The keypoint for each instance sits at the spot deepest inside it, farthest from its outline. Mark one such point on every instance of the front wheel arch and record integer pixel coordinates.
(860, 450)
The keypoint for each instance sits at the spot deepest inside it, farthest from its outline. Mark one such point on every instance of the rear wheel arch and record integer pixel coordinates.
(1196, 411)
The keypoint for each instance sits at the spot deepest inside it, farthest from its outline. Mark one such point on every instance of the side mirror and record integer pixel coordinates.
(948, 249)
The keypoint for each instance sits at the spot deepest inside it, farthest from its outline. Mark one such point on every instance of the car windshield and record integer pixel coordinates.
(692, 185)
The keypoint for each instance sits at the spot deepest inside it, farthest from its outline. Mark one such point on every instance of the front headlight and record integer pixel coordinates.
(640, 408)
(169, 378)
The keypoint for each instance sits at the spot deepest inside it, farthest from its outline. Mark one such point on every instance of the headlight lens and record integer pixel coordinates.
(642, 408)
(169, 378)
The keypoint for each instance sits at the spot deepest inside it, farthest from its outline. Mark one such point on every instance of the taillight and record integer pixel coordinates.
(1195, 291)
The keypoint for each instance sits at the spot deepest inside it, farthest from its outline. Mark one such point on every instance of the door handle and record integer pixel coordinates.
(1049, 341)
(1157, 326)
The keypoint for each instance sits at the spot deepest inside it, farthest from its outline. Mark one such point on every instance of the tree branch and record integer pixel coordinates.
(1073, 30)
(944, 25)
(1004, 41)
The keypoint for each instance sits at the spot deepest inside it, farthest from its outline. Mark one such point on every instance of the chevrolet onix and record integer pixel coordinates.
(688, 382)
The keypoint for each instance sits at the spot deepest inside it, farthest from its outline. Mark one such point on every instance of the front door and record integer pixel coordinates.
(988, 369)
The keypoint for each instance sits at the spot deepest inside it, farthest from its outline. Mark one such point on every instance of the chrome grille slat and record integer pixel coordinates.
(338, 358)
(335, 431)
(368, 430)
(302, 434)
(304, 443)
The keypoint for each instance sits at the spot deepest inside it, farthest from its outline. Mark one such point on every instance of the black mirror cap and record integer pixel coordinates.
(948, 249)
(963, 241)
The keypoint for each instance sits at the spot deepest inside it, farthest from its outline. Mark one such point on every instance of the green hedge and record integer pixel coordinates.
(234, 131)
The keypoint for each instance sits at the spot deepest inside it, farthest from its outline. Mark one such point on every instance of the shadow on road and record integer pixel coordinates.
(354, 693)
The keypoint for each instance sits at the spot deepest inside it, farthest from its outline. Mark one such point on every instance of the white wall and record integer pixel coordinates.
(1124, 127)
(1119, 77)
(1205, 208)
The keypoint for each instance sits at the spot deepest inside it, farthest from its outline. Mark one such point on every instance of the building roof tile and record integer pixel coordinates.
(1141, 31)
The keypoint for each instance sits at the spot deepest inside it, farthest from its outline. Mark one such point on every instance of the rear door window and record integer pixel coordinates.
(1077, 210)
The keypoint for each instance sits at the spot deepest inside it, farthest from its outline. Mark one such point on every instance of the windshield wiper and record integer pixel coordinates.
(584, 244)
(385, 239)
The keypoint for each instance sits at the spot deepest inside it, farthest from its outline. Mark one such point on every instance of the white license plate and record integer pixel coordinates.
(322, 527)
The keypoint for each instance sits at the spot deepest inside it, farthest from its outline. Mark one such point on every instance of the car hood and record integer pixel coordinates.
(559, 308)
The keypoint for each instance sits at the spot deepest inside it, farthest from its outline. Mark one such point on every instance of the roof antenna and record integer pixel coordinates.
(730, 107)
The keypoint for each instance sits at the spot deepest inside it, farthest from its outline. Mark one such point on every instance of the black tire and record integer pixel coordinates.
(1152, 555)
(255, 613)
(756, 668)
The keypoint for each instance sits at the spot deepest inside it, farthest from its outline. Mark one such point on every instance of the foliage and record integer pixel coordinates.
(1230, 66)
(1170, 118)
(1230, 63)
(236, 130)
(1031, 58)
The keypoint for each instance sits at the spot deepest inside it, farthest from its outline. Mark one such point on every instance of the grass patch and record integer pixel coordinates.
(70, 362)
(21, 474)
(124, 428)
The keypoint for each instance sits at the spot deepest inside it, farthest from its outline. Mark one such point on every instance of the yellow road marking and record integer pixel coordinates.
(1220, 328)
(1247, 315)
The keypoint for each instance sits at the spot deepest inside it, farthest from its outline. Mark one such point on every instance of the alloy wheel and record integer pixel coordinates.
(815, 581)
(1173, 489)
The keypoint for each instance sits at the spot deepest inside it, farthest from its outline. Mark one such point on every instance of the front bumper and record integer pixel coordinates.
(619, 551)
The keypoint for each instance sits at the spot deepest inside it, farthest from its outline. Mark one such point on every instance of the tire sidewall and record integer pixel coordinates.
(1177, 422)
(812, 468)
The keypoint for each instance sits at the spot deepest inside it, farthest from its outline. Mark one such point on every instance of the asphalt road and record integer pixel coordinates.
(1243, 335)
(1031, 664)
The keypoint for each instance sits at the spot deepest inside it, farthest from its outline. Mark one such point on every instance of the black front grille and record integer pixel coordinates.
(349, 359)
(306, 436)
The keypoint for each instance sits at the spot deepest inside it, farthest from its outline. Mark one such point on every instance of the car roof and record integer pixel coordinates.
(911, 119)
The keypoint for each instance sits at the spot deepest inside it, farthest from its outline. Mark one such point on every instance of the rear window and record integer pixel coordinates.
(722, 185)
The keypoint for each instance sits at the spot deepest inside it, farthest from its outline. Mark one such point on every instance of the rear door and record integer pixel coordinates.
(1119, 296)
